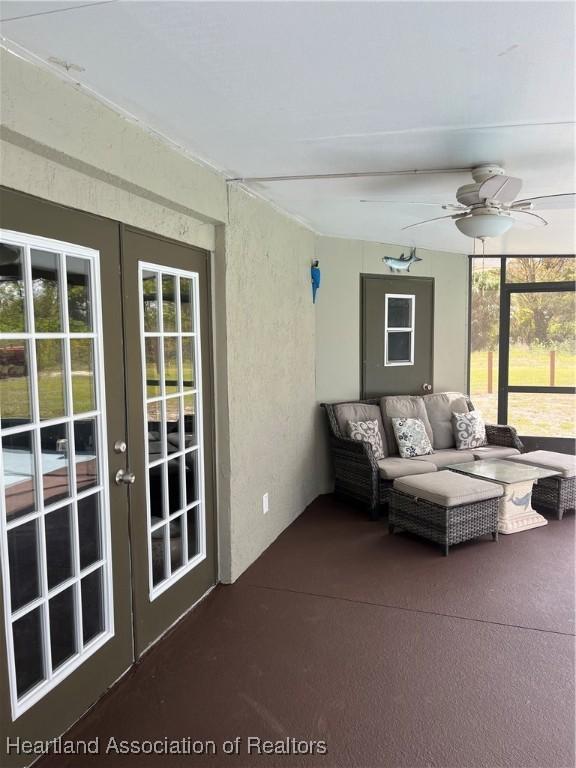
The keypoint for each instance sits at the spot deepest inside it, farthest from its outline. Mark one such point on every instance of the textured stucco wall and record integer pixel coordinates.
(43, 176)
(57, 119)
(63, 145)
(271, 327)
(338, 318)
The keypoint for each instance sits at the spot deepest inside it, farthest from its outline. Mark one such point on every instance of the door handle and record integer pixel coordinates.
(427, 387)
(124, 477)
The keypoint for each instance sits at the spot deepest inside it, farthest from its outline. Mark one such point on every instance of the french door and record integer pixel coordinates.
(537, 380)
(166, 307)
(106, 460)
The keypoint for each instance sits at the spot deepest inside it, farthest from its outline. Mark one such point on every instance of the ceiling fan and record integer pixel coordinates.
(488, 208)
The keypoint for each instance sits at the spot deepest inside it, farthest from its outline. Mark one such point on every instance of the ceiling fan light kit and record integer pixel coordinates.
(483, 223)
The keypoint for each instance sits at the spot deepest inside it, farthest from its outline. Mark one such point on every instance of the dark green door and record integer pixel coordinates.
(66, 597)
(397, 335)
(107, 532)
(170, 440)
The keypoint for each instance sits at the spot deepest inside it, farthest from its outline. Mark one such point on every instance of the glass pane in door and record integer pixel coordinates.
(15, 404)
(52, 458)
(171, 390)
(542, 339)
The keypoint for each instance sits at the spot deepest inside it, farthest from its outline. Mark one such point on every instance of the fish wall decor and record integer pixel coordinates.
(402, 263)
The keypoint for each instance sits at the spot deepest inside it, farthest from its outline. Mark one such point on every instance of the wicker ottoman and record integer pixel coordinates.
(552, 494)
(445, 507)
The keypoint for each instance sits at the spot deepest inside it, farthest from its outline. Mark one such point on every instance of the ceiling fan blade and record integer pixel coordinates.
(501, 188)
(548, 202)
(402, 202)
(427, 221)
(540, 222)
(444, 206)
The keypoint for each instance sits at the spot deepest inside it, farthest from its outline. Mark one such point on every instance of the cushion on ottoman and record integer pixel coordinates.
(561, 462)
(448, 489)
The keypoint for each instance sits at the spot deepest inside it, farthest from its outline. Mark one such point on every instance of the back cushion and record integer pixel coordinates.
(402, 406)
(440, 408)
(347, 412)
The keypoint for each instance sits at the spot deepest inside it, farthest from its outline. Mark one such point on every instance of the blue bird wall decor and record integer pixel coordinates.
(403, 263)
(315, 275)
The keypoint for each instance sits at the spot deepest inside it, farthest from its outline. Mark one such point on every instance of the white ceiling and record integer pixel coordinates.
(284, 88)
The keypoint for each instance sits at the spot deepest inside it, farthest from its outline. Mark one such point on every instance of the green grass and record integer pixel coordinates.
(15, 399)
(548, 415)
(528, 367)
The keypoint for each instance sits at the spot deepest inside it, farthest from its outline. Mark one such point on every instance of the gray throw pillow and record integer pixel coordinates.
(367, 432)
(411, 437)
(469, 430)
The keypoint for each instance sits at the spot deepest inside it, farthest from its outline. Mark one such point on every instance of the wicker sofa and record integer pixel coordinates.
(363, 478)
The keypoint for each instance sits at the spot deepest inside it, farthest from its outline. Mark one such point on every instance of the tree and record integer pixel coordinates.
(484, 331)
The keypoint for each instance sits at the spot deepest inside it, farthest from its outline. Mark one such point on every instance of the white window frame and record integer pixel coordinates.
(52, 679)
(388, 329)
(159, 269)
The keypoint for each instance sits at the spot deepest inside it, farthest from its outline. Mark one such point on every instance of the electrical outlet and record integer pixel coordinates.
(265, 506)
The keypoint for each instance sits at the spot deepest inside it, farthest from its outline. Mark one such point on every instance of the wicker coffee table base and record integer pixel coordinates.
(444, 525)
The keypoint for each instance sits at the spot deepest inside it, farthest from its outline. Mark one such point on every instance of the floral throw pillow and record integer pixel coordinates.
(411, 437)
(367, 432)
(469, 430)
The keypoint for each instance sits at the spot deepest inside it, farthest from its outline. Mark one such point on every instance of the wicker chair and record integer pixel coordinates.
(356, 471)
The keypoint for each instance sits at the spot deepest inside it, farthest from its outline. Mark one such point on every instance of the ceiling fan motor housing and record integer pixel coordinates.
(469, 194)
(483, 172)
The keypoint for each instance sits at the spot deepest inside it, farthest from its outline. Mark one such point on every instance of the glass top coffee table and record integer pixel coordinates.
(515, 511)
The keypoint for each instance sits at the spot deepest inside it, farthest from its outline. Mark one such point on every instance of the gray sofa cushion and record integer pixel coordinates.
(440, 408)
(443, 458)
(346, 412)
(561, 462)
(494, 452)
(394, 466)
(409, 406)
(448, 489)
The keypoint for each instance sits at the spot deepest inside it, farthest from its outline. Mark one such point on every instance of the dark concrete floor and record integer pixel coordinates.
(393, 655)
